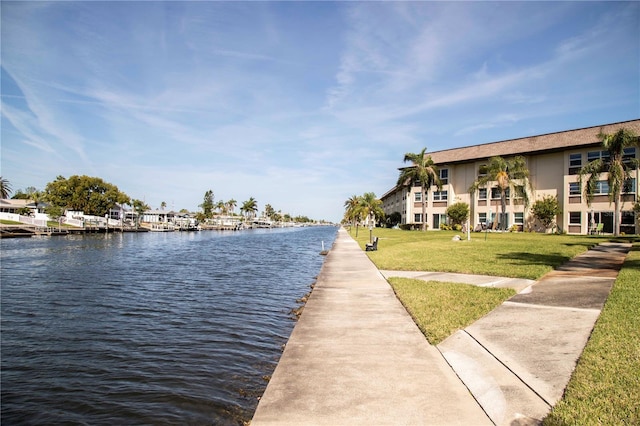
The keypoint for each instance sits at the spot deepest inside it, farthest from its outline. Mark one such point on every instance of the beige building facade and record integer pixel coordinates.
(553, 161)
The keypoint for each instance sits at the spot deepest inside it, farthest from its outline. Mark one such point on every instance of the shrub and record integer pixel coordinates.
(546, 210)
(458, 212)
(411, 226)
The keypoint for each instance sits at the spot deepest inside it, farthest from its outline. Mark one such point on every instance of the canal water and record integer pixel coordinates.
(153, 328)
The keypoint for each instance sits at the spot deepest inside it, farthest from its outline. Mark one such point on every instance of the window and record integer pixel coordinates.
(627, 218)
(440, 196)
(518, 218)
(598, 155)
(418, 196)
(575, 163)
(602, 188)
(629, 186)
(482, 218)
(482, 170)
(482, 194)
(628, 154)
(575, 218)
(417, 218)
(519, 192)
(574, 188)
(444, 176)
(495, 193)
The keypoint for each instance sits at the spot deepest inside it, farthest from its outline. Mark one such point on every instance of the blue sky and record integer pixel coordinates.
(297, 104)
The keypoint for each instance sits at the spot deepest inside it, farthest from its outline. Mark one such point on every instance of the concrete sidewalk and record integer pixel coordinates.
(518, 359)
(356, 356)
(518, 284)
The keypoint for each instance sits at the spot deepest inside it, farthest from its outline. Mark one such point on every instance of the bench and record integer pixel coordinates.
(370, 246)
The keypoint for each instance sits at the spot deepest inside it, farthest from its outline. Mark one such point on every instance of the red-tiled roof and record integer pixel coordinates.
(532, 144)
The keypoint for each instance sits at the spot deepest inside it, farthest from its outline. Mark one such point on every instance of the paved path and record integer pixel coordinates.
(356, 357)
(519, 284)
(518, 359)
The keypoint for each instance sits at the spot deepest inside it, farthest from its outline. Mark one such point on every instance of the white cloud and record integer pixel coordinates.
(297, 104)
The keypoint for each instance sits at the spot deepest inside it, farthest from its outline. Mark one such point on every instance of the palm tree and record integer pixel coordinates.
(617, 167)
(35, 196)
(231, 205)
(352, 211)
(5, 188)
(510, 175)
(250, 207)
(269, 211)
(221, 206)
(371, 207)
(423, 171)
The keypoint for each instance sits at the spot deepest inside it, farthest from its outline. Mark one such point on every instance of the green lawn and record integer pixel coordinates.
(518, 255)
(439, 308)
(605, 387)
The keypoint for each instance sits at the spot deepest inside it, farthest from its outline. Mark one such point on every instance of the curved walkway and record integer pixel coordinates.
(356, 356)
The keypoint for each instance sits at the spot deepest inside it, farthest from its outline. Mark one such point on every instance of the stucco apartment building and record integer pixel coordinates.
(553, 161)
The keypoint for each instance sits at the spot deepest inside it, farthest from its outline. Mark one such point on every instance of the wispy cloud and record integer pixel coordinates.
(295, 103)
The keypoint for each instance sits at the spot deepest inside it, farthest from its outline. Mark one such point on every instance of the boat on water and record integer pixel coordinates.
(162, 227)
(262, 223)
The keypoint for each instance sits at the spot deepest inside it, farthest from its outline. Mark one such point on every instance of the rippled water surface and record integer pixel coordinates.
(153, 328)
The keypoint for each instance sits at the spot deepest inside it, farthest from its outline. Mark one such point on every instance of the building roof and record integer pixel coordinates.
(532, 144)
(18, 203)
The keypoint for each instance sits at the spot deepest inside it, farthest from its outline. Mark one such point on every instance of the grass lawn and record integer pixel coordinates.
(605, 387)
(439, 308)
(518, 255)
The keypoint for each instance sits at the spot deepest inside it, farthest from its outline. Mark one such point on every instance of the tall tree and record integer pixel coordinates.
(221, 206)
(231, 205)
(269, 211)
(353, 211)
(250, 207)
(91, 195)
(422, 171)
(139, 207)
(510, 176)
(5, 188)
(371, 206)
(207, 204)
(617, 168)
(35, 196)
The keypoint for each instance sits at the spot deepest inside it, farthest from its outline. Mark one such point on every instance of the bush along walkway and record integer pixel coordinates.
(517, 360)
